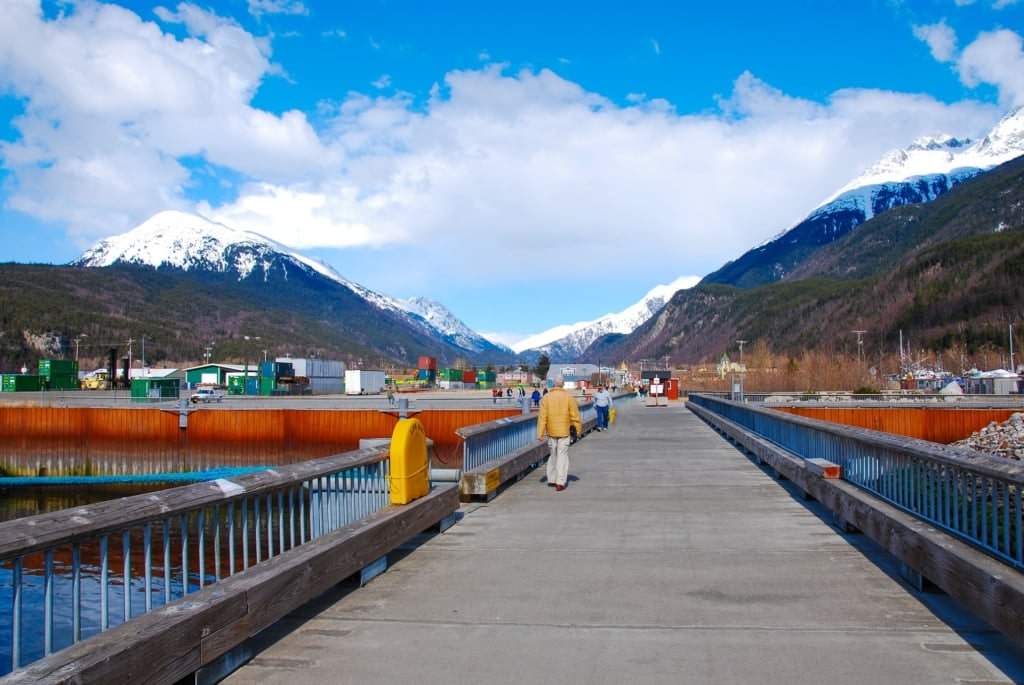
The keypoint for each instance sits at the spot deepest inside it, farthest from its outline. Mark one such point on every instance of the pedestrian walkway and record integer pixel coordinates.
(670, 558)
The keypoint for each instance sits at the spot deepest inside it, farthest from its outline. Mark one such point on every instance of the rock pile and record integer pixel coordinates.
(1004, 439)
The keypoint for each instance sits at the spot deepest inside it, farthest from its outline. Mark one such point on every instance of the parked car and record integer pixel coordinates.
(206, 395)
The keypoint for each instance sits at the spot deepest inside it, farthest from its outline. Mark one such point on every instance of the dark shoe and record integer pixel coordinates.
(559, 488)
(552, 485)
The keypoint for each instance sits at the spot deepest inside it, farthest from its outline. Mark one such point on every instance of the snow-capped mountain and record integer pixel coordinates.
(927, 168)
(193, 243)
(932, 165)
(566, 343)
(448, 326)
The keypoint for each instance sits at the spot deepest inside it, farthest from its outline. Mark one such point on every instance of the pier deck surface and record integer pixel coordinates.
(670, 558)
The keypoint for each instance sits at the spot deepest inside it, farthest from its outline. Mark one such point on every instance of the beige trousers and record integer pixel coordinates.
(558, 462)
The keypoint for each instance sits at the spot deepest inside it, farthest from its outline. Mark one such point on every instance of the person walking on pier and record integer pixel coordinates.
(603, 405)
(558, 414)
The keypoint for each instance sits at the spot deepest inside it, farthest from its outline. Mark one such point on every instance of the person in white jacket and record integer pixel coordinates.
(603, 405)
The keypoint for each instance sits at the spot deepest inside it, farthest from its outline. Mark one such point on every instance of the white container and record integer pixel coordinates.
(363, 382)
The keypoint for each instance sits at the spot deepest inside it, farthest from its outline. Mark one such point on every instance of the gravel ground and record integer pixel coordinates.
(1004, 439)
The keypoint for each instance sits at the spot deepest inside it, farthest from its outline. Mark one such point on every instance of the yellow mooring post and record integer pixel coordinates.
(410, 475)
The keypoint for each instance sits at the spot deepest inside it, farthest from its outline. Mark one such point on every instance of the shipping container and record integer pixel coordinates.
(58, 367)
(429, 363)
(298, 365)
(240, 384)
(326, 386)
(325, 368)
(363, 382)
(155, 388)
(469, 376)
(20, 382)
(61, 382)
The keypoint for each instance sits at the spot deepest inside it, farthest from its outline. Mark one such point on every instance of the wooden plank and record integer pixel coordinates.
(992, 590)
(823, 468)
(171, 642)
(486, 479)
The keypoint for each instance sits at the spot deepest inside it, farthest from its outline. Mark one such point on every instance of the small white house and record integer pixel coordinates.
(997, 382)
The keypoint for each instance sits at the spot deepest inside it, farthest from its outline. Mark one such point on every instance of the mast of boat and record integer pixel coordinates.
(1013, 368)
(903, 365)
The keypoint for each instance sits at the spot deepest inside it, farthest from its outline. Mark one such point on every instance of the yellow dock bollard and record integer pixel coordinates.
(410, 475)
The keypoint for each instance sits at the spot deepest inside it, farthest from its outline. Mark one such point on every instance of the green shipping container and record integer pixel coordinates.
(450, 375)
(20, 382)
(267, 386)
(62, 382)
(155, 388)
(48, 368)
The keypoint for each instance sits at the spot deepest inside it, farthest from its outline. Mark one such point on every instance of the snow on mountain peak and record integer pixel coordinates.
(188, 241)
(576, 337)
(1007, 138)
(191, 242)
(932, 157)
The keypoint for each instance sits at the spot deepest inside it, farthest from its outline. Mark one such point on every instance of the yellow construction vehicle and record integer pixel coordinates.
(97, 380)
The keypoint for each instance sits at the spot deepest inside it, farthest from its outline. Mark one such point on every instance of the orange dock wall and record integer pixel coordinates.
(924, 423)
(57, 440)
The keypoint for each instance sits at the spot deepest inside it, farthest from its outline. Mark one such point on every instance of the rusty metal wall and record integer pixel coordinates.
(95, 440)
(944, 425)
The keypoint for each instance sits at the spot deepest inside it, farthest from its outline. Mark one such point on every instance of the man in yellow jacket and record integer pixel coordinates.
(558, 412)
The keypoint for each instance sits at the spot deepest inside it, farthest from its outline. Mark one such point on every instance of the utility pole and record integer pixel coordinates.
(1013, 369)
(129, 378)
(740, 343)
(78, 339)
(860, 343)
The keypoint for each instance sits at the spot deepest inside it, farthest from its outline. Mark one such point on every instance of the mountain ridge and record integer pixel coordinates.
(923, 171)
(191, 242)
(209, 252)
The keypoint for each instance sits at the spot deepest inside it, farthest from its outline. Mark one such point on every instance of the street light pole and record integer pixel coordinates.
(78, 339)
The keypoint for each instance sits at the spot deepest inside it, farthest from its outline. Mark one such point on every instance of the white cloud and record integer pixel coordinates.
(996, 58)
(258, 8)
(941, 40)
(521, 165)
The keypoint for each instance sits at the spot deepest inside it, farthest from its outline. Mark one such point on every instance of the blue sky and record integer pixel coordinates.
(526, 164)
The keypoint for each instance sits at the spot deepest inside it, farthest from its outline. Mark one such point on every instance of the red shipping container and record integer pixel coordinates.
(428, 363)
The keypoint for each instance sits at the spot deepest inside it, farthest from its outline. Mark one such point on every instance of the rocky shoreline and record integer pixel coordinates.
(1004, 439)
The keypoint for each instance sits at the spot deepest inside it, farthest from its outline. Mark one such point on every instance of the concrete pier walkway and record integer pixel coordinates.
(670, 558)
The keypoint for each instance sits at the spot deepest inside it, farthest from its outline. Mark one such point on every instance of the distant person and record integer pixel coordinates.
(391, 395)
(559, 415)
(603, 405)
(535, 397)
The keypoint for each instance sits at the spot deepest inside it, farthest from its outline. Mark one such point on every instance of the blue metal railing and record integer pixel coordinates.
(492, 440)
(75, 573)
(975, 496)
